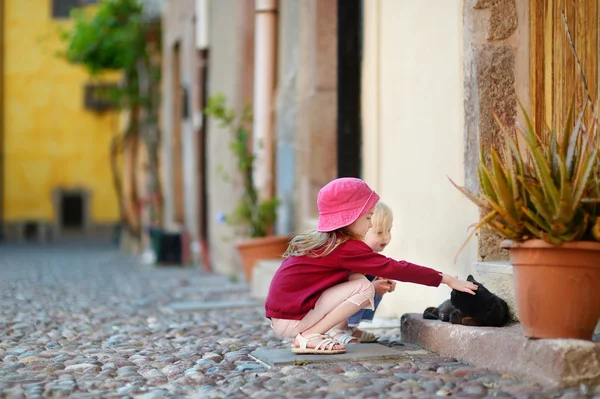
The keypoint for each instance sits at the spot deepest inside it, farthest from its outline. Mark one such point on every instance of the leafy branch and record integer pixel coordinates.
(253, 215)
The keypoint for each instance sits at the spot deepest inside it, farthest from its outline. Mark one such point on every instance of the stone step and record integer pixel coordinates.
(262, 274)
(550, 362)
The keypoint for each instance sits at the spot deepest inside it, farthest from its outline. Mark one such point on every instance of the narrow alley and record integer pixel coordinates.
(86, 321)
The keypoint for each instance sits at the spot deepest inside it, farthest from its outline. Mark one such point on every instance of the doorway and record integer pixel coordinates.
(71, 211)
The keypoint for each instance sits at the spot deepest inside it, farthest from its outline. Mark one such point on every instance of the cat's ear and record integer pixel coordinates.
(470, 278)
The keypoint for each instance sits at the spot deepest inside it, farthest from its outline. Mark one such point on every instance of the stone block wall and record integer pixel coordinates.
(496, 71)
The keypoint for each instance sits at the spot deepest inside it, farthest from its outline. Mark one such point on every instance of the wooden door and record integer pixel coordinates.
(555, 73)
(177, 134)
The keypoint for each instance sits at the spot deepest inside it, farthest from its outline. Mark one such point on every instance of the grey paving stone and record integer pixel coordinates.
(354, 352)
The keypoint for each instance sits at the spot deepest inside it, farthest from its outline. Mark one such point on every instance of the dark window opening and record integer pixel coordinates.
(72, 211)
(100, 96)
(62, 8)
(31, 231)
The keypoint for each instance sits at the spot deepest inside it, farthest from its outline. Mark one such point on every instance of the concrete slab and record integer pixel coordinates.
(193, 306)
(355, 352)
(551, 362)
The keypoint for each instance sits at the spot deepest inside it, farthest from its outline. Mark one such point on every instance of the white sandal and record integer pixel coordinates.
(342, 336)
(366, 337)
(325, 347)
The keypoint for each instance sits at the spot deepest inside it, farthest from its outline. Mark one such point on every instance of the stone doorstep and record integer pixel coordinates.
(551, 362)
(355, 352)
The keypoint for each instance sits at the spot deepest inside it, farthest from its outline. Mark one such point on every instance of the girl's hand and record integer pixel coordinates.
(459, 285)
(384, 286)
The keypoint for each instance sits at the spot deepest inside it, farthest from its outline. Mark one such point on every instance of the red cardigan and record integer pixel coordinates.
(300, 280)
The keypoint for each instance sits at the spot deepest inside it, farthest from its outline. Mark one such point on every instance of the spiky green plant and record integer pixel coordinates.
(545, 184)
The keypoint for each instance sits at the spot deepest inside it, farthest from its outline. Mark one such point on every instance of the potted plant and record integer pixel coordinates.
(542, 193)
(253, 217)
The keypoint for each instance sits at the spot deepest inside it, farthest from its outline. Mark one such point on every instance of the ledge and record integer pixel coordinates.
(552, 362)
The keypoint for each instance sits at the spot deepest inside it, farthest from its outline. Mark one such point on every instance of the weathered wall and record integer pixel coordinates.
(414, 137)
(316, 142)
(179, 29)
(496, 69)
(225, 65)
(50, 139)
(286, 111)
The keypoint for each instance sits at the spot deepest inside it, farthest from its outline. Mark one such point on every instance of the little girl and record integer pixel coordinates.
(321, 281)
(377, 238)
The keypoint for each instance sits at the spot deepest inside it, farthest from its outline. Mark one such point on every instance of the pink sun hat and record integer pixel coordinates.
(342, 201)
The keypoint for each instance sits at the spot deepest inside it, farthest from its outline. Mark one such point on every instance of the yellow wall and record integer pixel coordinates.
(50, 139)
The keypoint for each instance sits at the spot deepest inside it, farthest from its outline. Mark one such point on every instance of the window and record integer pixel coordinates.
(100, 96)
(62, 8)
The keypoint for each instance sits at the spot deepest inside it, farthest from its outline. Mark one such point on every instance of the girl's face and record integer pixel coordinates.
(378, 237)
(361, 225)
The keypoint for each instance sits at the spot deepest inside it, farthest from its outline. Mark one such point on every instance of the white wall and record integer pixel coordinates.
(413, 138)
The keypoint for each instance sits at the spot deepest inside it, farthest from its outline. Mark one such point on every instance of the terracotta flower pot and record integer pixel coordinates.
(557, 288)
(253, 249)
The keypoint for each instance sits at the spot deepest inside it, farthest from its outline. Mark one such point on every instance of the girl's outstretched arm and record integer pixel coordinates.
(459, 285)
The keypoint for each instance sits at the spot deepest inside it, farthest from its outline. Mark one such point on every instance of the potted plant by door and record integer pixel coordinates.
(541, 192)
(253, 217)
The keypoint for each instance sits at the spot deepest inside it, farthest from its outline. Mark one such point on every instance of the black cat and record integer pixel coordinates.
(482, 309)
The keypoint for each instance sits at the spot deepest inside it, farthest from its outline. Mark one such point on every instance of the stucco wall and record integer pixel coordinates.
(50, 140)
(224, 67)
(413, 138)
(179, 28)
(286, 111)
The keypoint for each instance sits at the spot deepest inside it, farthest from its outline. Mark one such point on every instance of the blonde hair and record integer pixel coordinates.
(381, 214)
(316, 244)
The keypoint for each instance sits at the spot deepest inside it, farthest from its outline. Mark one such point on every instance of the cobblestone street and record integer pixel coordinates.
(88, 322)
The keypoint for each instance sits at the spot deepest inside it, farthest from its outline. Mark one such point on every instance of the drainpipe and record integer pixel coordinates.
(200, 128)
(264, 95)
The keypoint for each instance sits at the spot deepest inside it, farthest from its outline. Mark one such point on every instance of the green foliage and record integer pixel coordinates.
(542, 184)
(253, 215)
(113, 39)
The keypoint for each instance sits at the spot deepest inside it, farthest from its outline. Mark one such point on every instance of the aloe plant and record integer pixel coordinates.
(544, 184)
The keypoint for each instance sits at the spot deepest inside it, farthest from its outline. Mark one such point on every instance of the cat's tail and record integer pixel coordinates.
(431, 313)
